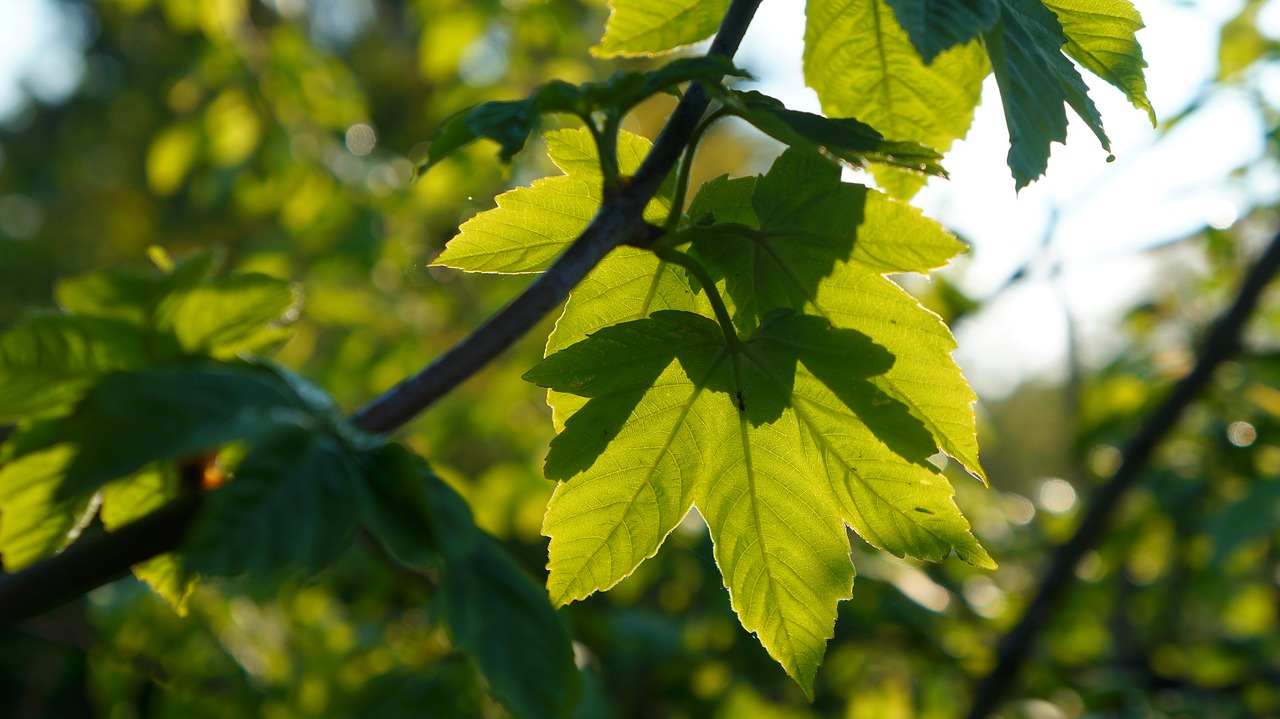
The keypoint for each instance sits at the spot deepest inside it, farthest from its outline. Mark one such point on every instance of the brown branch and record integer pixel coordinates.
(92, 562)
(1223, 342)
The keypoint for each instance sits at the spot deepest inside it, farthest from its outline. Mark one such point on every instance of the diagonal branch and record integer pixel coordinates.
(619, 220)
(1223, 342)
(92, 562)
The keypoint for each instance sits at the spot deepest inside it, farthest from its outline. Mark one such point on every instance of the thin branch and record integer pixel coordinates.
(95, 561)
(1223, 342)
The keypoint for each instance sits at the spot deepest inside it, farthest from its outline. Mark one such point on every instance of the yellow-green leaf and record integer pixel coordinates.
(1101, 36)
(532, 225)
(650, 27)
(862, 64)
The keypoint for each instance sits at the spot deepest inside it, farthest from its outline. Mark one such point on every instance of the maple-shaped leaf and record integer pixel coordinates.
(779, 440)
(531, 225)
(798, 425)
(809, 242)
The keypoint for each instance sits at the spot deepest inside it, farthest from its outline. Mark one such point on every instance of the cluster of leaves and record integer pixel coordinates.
(754, 362)
(138, 376)
(762, 324)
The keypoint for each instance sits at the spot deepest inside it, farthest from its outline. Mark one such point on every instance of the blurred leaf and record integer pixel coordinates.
(223, 314)
(48, 360)
(1241, 43)
(783, 553)
(35, 520)
(650, 27)
(128, 294)
(495, 612)
(132, 419)
(1101, 36)
(131, 498)
(1035, 81)
(532, 225)
(938, 25)
(862, 64)
(292, 501)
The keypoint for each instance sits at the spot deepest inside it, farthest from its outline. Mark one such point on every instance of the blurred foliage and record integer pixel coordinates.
(286, 132)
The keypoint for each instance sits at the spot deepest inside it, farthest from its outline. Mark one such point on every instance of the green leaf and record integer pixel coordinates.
(495, 612)
(293, 500)
(414, 515)
(35, 521)
(650, 27)
(48, 360)
(1101, 36)
(790, 403)
(128, 294)
(862, 64)
(845, 140)
(223, 315)
(131, 498)
(510, 122)
(132, 419)
(822, 247)
(532, 225)
(938, 25)
(802, 399)
(1035, 80)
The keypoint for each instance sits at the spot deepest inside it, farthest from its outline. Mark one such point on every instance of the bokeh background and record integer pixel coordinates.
(285, 132)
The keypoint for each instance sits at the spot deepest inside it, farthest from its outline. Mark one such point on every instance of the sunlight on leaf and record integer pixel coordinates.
(862, 64)
(650, 27)
(1102, 37)
(532, 225)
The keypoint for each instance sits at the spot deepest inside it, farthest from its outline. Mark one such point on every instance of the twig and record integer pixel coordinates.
(93, 562)
(1223, 342)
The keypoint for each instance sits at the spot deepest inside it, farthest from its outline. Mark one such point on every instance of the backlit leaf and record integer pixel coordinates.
(1101, 36)
(862, 64)
(843, 139)
(649, 27)
(131, 498)
(48, 360)
(35, 521)
(531, 225)
(801, 425)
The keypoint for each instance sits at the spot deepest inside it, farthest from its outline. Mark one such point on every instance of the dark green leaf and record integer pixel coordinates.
(495, 612)
(293, 500)
(1035, 80)
(938, 25)
(846, 140)
(132, 419)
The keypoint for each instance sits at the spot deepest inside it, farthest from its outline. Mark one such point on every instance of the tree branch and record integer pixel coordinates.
(1224, 341)
(618, 220)
(92, 562)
